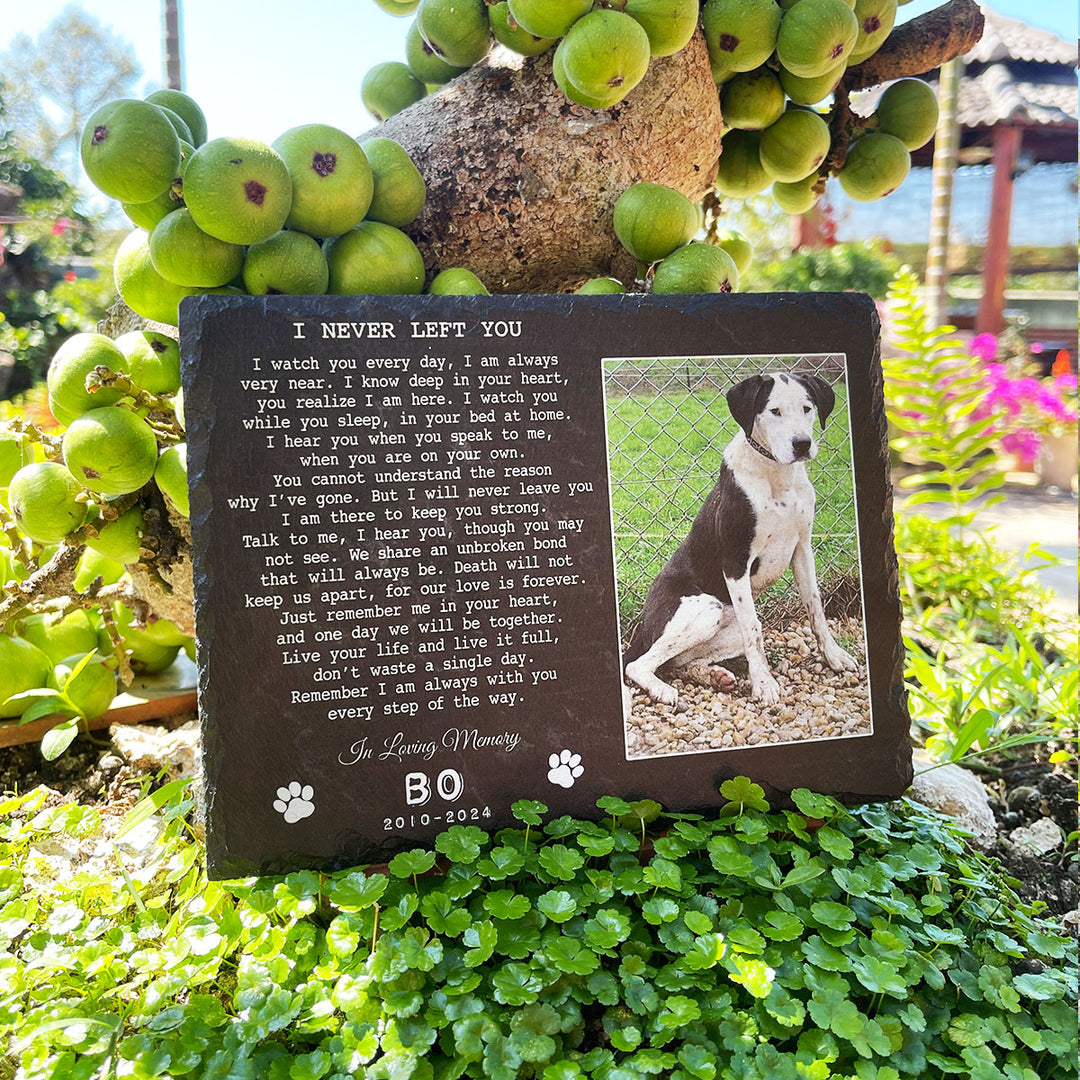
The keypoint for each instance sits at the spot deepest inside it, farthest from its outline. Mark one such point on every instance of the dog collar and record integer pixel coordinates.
(762, 450)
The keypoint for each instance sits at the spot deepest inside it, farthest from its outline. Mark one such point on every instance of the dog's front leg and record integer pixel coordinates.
(802, 566)
(763, 686)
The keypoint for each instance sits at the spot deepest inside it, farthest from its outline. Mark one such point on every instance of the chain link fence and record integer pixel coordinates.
(668, 424)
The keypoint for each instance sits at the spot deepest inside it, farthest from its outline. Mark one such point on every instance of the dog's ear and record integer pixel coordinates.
(747, 399)
(821, 394)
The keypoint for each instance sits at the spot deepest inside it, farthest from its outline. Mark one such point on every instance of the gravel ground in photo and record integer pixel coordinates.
(815, 701)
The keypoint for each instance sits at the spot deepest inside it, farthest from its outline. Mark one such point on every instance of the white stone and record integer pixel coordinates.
(151, 748)
(1039, 838)
(954, 791)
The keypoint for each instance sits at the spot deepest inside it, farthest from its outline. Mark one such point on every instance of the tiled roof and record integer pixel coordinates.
(1012, 39)
(996, 95)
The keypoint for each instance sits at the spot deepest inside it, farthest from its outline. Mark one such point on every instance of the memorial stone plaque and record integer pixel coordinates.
(410, 578)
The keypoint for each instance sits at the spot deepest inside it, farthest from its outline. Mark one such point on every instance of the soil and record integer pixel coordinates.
(1020, 793)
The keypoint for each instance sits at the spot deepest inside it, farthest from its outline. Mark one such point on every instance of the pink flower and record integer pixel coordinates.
(984, 347)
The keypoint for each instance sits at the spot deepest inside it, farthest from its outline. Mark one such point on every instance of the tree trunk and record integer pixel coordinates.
(522, 183)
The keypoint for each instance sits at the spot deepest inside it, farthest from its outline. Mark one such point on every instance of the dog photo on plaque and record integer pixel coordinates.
(759, 456)
(453, 552)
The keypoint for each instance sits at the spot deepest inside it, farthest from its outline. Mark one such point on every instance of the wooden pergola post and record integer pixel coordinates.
(991, 315)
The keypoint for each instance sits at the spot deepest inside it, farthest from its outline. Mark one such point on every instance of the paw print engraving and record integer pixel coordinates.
(565, 768)
(294, 802)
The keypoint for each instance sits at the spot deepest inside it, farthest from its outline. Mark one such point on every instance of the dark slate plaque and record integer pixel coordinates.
(420, 521)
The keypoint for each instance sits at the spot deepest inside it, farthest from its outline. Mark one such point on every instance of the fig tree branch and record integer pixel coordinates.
(921, 45)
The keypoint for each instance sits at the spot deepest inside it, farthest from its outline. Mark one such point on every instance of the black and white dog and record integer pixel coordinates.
(753, 525)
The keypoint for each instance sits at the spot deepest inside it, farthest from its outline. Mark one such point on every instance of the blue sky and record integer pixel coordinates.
(259, 69)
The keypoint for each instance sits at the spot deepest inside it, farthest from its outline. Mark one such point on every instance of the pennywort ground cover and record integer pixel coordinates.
(813, 942)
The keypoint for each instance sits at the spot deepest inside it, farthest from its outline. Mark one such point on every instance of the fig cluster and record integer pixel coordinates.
(314, 212)
(601, 50)
(114, 477)
(775, 62)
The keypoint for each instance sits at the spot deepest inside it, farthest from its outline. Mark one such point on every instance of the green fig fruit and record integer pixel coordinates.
(670, 24)
(795, 145)
(696, 268)
(740, 34)
(288, 264)
(652, 220)
(422, 60)
(457, 30)
(457, 281)
(187, 108)
(185, 255)
(238, 190)
(908, 109)
(507, 32)
(153, 360)
(740, 173)
(399, 191)
(752, 100)
(798, 197)
(374, 259)
(876, 165)
(548, 18)
(42, 498)
(816, 36)
(600, 286)
(331, 179)
(110, 451)
(68, 369)
(389, 87)
(130, 150)
(604, 55)
(875, 19)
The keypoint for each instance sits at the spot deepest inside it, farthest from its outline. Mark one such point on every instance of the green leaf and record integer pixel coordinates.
(481, 938)
(516, 984)
(742, 793)
(659, 910)
(755, 975)
(150, 804)
(504, 904)
(38, 702)
(461, 843)
(557, 905)
(560, 862)
(664, 874)
(407, 864)
(56, 740)
(501, 863)
(879, 976)
(443, 915)
(836, 843)
(726, 856)
(831, 914)
(533, 1047)
(812, 805)
(782, 926)
(802, 872)
(568, 955)
(606, 929)
(698, 1062)
(679, 1011)
(357, 890)
(528, 811)
(613, 805)
(596, 847)
(1039, 987)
